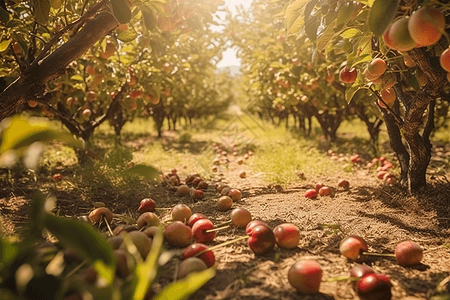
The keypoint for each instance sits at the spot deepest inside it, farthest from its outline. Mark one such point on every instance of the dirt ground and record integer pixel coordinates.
(382, 214)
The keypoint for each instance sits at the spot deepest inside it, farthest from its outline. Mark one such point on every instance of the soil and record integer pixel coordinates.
(382, 214)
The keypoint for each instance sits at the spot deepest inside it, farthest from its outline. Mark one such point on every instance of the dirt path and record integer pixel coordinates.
(379, 213)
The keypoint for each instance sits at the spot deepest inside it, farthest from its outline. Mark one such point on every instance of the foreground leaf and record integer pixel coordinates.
(184, 288)
(381, 15)
(85, 241)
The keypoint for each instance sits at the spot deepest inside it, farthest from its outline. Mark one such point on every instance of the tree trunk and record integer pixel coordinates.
(420, 146)
(31, 86)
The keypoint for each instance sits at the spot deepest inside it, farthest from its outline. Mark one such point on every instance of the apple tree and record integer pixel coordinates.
(396, 55)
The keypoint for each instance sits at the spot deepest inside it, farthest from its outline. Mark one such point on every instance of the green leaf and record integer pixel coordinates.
(381, 15)
(149, 19)
(355, 87)
(311, 26)
(20, 133)
(146, 272)
(127, 35)
(344, 13)
(148, 172)
(366, 2)
(326, 36)
(294, 16)
(362, 51)
(184, 288)
(351, 33)
(121, 11)
(86, 241)
(4, 45)
(4, 15)
(7, 253)
(77, 77)
(41, 11)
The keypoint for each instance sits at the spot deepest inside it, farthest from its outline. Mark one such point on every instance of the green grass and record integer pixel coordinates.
(281, 156)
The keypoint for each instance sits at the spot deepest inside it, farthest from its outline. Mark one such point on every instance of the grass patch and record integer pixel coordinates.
(281, 156)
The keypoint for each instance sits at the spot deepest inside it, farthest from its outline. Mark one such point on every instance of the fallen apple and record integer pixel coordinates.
(181, 212)
(253, 224)
(224, 203)
(96, 215)
(240, 217)
(146, 205)
(183, 190)
(343, 183)
(311, 194)
(147, 219)
(287, 235)
(194, 218)
(208, 257)
(177, 234)
(305, 276)
(261, 240)
(199, 231)
(141, 241)
(352, 247)
(374, 287)
(325, 191)
(235, 194)
(408, 253)
(190, 265)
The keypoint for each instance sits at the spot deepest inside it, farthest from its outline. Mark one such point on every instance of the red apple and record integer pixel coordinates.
(305, 276)
(240, 217)
(287, 235)
(325, 191)
(96, 215)
(235, 194)
(208, 257)
(146, 205)
(318, 186)
(199, 231)
(374, 287)
(196, 181)
(57, 177)
(311, 194)
(253, 224)
(343, 183)
(359, 272)
(202, 185)
(197, 194)
(261, 240)
(194, 218)
(177, 234)
(408, 254)
(352, 247)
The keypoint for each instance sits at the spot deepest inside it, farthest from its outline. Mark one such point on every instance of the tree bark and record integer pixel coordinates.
(31, 85)
(420, 147)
